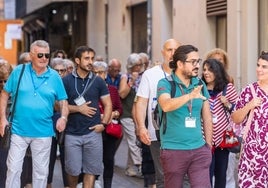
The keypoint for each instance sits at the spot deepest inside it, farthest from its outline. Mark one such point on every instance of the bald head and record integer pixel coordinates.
(168, 50)
(114, 67)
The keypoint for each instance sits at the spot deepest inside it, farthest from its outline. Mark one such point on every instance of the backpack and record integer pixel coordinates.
(158, 117)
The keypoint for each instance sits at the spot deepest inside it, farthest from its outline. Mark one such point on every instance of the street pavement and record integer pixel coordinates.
(120, 180)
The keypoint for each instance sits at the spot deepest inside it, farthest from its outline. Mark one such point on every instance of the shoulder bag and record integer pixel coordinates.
(5, 140)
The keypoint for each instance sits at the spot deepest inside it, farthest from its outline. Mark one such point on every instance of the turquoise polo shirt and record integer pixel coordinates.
(178, 136)
(35, 103)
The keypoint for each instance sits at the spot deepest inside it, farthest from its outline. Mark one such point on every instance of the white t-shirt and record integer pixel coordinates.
(147, 89)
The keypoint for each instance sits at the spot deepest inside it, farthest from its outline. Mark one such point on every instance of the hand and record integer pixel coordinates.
(3, 125)
(144, 136)
(223, 100)
(134, 76)
(255, 102)
(61, 124)
(197, 93)
(97, 128)
(86, 110)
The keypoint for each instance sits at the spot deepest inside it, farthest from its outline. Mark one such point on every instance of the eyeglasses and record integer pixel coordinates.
(60, 70)
(139, 65)
(194, 61)
(41, 55)
(99, 72)
(3, 81)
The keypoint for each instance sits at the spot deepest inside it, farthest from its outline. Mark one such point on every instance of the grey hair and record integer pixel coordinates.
(69, 62)
(144, 55)
(100, 64)
(58, 61)
(39, 43)
(132, 60)
(23, 56)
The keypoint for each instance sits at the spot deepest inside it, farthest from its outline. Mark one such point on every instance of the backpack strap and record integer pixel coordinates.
(163, 118)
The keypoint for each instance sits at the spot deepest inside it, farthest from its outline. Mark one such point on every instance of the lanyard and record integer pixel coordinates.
(34, 84)
(163, 71)
(75, 85)
(189, 103)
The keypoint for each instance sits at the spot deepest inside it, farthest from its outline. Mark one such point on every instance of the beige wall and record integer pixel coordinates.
(182, 20)
(242, 40)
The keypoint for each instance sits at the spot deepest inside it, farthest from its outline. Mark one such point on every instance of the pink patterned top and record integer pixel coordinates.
(253, 165)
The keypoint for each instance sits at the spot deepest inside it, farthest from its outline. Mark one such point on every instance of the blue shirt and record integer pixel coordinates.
(36, 97)
(116, 81)
(78, 123)
(178, 136)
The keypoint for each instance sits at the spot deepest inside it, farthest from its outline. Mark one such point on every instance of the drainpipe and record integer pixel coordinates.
(149, 28)
(238, 42)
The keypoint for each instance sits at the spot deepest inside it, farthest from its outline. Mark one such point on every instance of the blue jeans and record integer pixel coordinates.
(218, 167)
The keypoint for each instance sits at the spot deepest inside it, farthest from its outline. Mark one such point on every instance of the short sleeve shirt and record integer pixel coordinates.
(78, 124)
(178, 136)
(35, 102)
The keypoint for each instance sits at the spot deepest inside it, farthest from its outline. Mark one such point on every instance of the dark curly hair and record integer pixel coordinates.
(221, 76)
(181, 55)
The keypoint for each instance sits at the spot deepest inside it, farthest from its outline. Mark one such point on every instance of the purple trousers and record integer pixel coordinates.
(194, 163)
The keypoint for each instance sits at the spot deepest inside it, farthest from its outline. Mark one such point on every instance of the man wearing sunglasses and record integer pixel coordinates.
(39, 89)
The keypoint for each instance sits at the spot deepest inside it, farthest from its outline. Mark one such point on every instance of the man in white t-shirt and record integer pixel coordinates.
(145, 95)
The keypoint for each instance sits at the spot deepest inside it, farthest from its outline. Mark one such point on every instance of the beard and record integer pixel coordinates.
(87, 68)
(190, 74)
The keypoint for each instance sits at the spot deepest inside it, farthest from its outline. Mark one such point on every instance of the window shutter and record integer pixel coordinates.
(216, 7)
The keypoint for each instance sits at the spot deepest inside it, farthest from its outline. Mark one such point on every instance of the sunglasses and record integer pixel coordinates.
(3, 81)
(41, 55)
(60, 70)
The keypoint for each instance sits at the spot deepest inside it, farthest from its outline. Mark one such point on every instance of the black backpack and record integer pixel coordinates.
(158, 117)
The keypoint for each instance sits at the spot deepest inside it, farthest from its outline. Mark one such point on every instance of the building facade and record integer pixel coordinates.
(116, 28)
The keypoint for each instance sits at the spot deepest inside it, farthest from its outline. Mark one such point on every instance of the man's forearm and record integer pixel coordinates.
(64, 108)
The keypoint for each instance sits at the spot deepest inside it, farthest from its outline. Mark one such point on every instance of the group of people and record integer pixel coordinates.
(65, 103)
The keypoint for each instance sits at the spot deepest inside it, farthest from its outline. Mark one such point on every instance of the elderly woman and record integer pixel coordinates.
(109, 142)
(127, 90)
(59, 65)
(5, 70)
(253, 164)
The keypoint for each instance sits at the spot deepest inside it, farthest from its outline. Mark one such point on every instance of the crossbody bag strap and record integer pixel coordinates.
(16, 94)
(247, 126)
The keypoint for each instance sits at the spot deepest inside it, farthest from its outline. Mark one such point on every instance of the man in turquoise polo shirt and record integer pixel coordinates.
(39, 89)
(187, 138)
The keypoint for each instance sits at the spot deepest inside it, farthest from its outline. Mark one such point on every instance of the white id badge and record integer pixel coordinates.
(79, 101)
(190, 122)
(214, 119)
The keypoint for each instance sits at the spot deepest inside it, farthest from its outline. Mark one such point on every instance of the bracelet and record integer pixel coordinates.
(63, 117)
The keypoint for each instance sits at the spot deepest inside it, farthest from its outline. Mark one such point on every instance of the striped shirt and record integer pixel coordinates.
(217, 110)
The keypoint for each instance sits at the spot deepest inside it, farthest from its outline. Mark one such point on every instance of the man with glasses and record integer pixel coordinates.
(184, 147)
(114, 76)
(32, 125)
